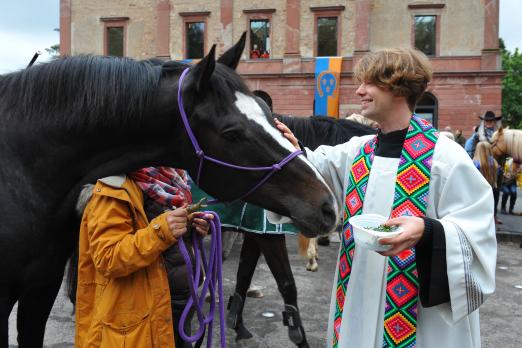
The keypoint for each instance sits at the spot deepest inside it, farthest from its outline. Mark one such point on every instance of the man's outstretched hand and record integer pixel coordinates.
(287, 133)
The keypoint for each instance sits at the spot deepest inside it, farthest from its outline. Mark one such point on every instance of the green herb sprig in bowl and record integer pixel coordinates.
(383, 228)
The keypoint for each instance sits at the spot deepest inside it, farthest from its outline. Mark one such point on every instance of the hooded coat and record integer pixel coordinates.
(123, 297)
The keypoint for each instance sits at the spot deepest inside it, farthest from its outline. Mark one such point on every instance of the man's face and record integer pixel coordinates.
(489, 123)
(376, 102)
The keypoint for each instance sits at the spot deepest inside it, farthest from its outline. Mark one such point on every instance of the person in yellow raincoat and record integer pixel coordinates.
(123, 297)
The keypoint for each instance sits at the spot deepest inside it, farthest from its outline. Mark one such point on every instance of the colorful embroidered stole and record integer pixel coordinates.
(411, 198)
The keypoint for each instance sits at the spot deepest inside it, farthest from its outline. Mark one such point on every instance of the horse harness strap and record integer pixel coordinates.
(202, 156)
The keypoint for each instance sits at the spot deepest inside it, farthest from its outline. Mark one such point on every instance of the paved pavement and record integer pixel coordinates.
(501, 315)
(511, 227)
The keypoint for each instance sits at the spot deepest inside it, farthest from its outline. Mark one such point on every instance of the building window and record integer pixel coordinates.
(115, 41)
(260, 38)
(114, 31)
(426, 34)
(195, 34)
(195, 40)
(259, 23)
(327, 30)
(326, 36)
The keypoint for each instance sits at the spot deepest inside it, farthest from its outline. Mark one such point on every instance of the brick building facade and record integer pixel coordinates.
(463, 47)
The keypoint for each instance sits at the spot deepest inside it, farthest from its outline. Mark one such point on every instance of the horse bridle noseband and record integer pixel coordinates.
(202, 157)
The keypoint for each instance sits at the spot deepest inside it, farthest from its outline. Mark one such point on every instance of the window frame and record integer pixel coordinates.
(114, 22)
(194, 17)
(260, 14)
(328, 11)
(427, 10)
(437, 25)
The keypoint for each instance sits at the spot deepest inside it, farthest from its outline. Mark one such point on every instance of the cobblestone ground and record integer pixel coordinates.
(501, 315)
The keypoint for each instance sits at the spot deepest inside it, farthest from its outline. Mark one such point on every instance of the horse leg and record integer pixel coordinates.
(312, 255)
(274, 249)
(34, 307)
(7, 301)
(229, 237)
(248, 258)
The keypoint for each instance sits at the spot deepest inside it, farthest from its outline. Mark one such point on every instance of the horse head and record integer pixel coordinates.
(231, 125)
(507, 142)
(498, 146)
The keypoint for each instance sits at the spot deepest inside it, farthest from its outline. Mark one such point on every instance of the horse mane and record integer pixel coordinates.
(314, 131)
(513, 140)
(84, 90)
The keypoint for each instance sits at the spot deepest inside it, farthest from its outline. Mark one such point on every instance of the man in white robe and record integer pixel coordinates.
(454, 242)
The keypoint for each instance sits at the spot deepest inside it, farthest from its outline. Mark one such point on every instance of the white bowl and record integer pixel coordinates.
(368, 238)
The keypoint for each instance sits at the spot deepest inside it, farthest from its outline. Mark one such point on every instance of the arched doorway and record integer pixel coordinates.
(427, 108)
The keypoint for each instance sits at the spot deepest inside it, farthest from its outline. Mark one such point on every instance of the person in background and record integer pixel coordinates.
(489, 123)
(448, 135)
(469, 145)
(512, 173)
(489, 168)
(255, 54)
(459, 138)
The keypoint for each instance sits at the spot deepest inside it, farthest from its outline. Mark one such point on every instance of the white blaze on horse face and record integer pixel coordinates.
(251, 109)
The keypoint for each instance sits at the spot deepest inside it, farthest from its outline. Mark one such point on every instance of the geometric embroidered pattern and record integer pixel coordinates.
(411, 199)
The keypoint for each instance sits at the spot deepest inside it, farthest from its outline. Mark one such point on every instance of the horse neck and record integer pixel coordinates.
(513, 143)
(61, 162)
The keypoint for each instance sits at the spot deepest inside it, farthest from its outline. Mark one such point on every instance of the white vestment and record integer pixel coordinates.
(462, 201)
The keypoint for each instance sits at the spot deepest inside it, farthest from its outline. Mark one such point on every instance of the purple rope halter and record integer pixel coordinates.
(202, 157)
(212, 265)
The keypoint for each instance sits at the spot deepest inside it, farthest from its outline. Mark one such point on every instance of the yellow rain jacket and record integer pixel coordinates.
(123, 297)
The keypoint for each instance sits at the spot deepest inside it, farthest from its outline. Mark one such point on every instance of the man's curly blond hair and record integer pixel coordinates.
(403, 71)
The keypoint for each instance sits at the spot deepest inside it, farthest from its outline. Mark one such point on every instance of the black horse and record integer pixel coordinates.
(69, 122)
(314, 131)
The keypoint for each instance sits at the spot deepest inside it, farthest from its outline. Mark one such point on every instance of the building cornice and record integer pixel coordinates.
(327, 8)
(424, 6)
(113, 19)
(259, 10)
(194, 14)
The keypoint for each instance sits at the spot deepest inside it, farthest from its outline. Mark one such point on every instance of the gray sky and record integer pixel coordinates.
(27, 26)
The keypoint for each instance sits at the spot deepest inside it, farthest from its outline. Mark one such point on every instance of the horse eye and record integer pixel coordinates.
(231, 134)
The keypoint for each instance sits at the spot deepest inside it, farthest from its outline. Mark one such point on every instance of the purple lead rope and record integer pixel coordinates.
(213, 276)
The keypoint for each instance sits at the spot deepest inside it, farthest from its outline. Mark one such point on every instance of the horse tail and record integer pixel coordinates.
(303, 245)
(71, 277)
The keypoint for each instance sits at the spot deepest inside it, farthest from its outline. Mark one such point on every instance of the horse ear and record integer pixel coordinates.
(232, 56)
(203, 70)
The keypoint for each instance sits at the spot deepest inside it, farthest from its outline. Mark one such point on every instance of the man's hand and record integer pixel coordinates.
(177, 220)
(200, 223)
(413, 230)
(287, 133)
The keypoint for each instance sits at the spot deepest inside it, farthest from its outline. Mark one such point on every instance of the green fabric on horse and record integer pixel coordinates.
(243, 216)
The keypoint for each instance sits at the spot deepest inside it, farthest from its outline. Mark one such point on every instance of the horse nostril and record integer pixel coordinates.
(329, 216)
